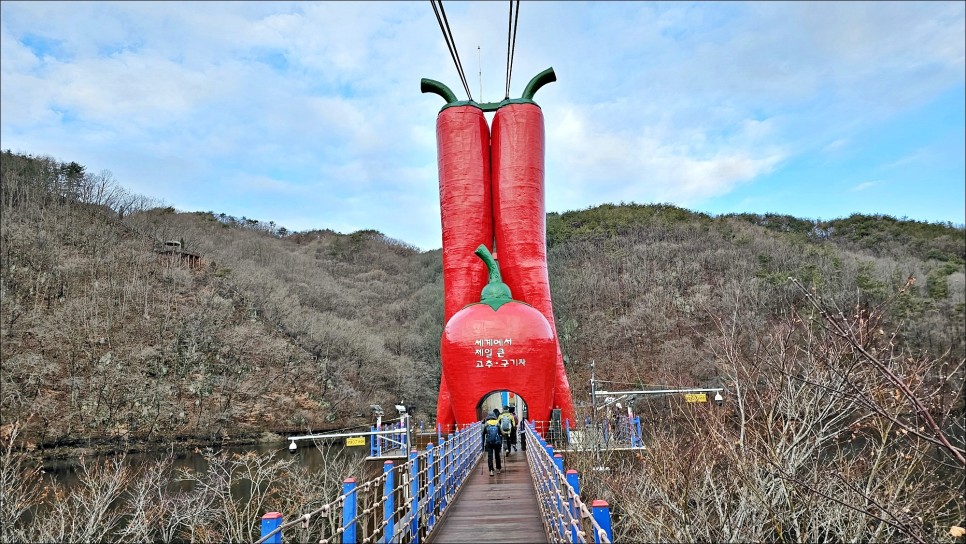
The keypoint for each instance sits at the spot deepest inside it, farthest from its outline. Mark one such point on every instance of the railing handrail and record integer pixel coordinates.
(561, 507)
(428, 482)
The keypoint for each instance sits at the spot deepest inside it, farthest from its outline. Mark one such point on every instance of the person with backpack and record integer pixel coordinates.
(523, 434)
(493, 441)
(516, 424)
(506, 420)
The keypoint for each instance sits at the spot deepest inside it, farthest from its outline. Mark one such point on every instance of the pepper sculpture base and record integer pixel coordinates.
(511, 349)
(498, 344)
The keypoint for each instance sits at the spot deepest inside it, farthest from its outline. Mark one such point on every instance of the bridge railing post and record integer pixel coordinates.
(441, 488)
(467, 452)
(451, 467)
(349, 510)
(546, 480)
(413, 496)
(430, 487)
(573, 480)
(270, 522)
(389, 504)
(556, 476)
(460, 449)
(469, 449)
(601, 513)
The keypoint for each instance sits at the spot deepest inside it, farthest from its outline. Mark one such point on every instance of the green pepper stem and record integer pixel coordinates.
(491, 265)
(495, 293)
(539, 80)
(427, 85)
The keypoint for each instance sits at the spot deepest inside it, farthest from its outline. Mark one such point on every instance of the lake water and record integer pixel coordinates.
(66, 472)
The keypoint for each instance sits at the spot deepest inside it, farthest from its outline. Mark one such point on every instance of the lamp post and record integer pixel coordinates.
(404, 419)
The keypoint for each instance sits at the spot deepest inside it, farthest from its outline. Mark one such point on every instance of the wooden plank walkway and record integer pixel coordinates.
(501, 508)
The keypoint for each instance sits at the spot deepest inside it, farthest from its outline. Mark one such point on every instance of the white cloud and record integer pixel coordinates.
(865, 185)
(653, 163)
(655, 102)
(917, 156)
(836, 145)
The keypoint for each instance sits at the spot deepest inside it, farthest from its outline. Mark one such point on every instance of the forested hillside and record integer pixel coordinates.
(643, 289)
(107, 338)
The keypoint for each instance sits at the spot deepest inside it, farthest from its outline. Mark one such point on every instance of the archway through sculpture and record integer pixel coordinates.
(499, 399)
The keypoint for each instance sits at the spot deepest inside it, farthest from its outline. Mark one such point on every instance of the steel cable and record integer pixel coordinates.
(450, 43)
(511, 38)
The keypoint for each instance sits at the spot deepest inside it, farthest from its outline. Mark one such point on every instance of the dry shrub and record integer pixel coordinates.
(831, 432)
(117, 501)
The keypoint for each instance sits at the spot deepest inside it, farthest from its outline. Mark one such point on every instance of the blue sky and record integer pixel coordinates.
(310, 115)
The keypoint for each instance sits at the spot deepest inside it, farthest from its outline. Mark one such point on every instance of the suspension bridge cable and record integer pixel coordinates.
(509, 31)
(446, 37)
(511, 50)
(459, 65)
(450, 43)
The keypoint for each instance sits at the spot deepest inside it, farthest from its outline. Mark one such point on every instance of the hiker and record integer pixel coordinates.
(493, 441)
(523, 434)
(507, 421)
(516, 424)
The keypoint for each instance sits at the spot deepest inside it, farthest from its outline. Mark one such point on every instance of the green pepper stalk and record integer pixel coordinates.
(495, 293)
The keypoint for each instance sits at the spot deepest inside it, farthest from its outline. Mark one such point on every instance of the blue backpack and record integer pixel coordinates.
(493, 433)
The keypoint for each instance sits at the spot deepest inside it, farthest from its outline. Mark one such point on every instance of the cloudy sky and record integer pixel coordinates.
(309, 113)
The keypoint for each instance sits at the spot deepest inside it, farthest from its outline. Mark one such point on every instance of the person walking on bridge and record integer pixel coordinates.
(493, 441)
(516, 425)
(507, 421)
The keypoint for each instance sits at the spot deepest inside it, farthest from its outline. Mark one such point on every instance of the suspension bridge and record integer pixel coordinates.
(441, 494)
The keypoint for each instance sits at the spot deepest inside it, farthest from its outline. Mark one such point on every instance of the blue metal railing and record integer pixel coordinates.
(620, 432)
(566, 517)
(402, 504)
(397, 439)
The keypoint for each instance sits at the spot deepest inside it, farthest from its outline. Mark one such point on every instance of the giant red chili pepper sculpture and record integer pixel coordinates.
(463, 146)
(495, 344)
(519, 212)
(513, 212)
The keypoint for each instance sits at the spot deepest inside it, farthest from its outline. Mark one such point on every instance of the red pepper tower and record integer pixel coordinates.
(492, 191)
(498, 344)
(466, 212)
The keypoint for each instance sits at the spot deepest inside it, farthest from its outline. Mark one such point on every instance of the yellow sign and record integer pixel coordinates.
(355, 441)
(695, 397)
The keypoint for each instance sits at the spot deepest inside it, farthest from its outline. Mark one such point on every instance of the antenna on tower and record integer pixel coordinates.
(479, 57)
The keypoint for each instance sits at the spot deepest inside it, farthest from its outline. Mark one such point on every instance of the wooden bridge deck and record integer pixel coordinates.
(502, 508)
